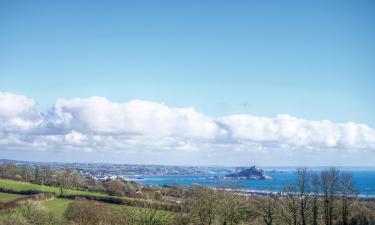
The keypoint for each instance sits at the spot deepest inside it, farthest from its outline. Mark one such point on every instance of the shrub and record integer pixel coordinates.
(82, 212)
(28, 214)
(36, 214)
(13, 219)
(115, 187)
(150, 216)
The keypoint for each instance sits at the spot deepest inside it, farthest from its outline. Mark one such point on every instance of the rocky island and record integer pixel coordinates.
(252, 173)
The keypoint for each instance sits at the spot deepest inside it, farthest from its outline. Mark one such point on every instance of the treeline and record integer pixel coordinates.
(156, 197)
(44, 175)
(70, 179)
(326, 198)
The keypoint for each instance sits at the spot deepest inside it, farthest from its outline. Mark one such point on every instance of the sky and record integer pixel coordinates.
(188, 82)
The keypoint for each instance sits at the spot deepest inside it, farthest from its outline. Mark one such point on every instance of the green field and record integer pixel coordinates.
(24, 186)
(57, 206)
(5, 197)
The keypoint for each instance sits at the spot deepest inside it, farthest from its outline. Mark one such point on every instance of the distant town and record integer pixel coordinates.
(128, 171)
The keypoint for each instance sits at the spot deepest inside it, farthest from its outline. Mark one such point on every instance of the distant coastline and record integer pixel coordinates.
(364, 177)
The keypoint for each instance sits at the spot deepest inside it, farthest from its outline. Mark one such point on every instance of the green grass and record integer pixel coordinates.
(24, 186)
(57, 206)
(5, 197)
(126, 207)
(137, 211)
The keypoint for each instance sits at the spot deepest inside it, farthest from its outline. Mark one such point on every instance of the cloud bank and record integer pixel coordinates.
(96, 124)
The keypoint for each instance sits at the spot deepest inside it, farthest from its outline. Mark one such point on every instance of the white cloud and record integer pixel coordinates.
(75, 138)
(17, 113)
(292, 131)
(12, 105)
(96, 124)
(97, 114)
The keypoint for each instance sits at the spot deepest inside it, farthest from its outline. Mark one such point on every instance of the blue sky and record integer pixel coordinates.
(312, 60)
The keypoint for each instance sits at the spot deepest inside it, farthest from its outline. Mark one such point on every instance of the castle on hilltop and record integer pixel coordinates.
(252, 173)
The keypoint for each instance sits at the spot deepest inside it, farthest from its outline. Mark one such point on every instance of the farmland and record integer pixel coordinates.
(58, 205)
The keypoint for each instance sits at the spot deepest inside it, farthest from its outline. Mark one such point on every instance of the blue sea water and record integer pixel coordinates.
(364, 181)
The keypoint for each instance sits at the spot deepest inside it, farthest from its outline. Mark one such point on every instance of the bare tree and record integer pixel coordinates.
(65, 179)
(26, 173)
(62, 181)
(330, 188)
(290, 205)
(269, 210)
(201, 204)
(346, 192)
(303, 190)
(231, 208)
(47, 175)
(36, 174)
(315, 188)
(76, 180)
(9, 170)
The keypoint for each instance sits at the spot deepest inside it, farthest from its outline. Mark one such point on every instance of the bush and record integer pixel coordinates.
(36, 214)
(214, 207)
(150, 216)
(127, 201)
(82, 212)
(13, 219)
(115, 187)
(28, 214)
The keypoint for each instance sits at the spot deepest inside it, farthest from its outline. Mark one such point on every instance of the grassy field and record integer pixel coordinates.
(5, 197)
(24, 186)
(57, 206)
(135, 211)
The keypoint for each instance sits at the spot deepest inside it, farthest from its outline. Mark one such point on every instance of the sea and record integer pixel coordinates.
(364, 181)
